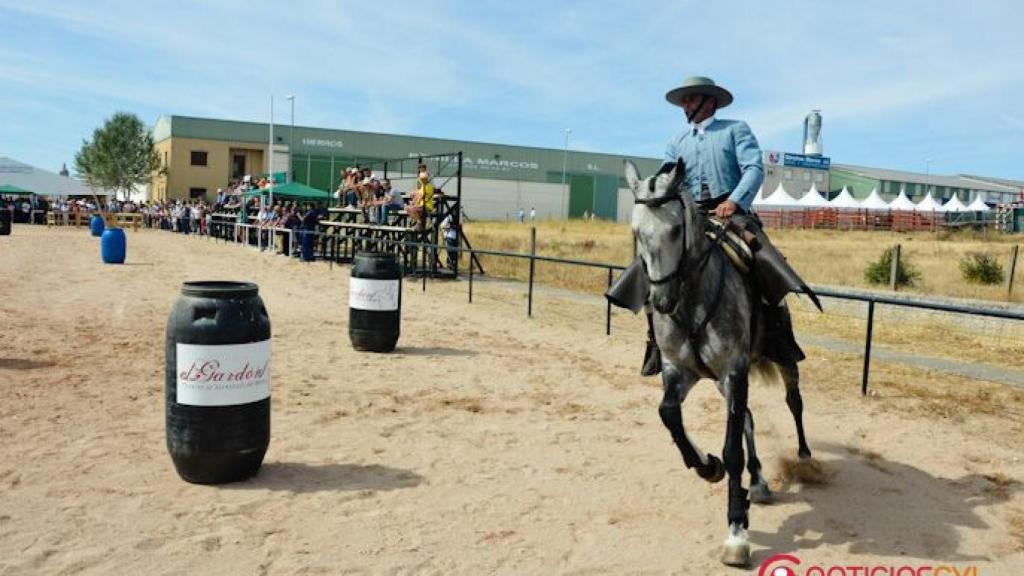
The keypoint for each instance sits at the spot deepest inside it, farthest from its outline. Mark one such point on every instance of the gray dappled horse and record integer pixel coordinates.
(709, 322)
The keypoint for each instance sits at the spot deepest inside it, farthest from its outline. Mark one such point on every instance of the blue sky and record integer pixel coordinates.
(897, 83)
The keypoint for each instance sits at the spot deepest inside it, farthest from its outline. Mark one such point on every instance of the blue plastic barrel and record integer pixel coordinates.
(113, 246)
(308, 238)
(96, 225)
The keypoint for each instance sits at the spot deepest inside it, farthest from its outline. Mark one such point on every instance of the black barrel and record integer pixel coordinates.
(374, 301)
(5, 220)
(218, 381)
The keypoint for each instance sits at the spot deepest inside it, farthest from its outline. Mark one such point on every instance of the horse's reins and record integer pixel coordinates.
(694, 333)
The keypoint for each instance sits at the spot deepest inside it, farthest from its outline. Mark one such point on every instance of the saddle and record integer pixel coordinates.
(747, 247)
(738, 244)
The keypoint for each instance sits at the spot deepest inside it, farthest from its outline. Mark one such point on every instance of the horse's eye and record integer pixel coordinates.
(676, 231)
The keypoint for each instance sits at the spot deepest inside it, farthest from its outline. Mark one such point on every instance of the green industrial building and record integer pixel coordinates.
(201, 155)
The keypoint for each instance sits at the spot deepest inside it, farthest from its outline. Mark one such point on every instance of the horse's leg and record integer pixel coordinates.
(759, 491)
(736, 548)
(791, 376)
(677, 384)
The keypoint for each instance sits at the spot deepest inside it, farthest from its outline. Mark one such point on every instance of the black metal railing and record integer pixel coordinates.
(433, 250)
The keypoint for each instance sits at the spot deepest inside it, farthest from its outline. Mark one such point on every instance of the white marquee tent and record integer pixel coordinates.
(954, 205)
(928, 204)
(812, 199)
(978, 205)
(777, 199)
(902, 203)
(874, 201)
(844, 201)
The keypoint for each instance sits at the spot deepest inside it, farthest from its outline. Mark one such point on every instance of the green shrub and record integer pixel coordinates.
(981, 268)
(878, 271)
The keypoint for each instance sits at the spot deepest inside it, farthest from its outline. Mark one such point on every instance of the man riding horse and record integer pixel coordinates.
(723, 171)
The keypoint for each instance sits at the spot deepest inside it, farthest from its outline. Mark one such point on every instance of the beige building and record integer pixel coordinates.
(195, 168)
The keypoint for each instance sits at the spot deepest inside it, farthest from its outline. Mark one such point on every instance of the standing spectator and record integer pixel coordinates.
(533, 214)
(451, 239)
(521, 215)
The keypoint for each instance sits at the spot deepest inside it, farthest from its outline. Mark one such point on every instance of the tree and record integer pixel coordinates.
(120, 155)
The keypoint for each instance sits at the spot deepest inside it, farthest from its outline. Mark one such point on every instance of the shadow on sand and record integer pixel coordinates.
(433, 351)
(299, 477)
(24, 364)
(881, 507)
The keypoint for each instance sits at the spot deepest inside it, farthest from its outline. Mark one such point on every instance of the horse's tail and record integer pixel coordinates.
(766, 372)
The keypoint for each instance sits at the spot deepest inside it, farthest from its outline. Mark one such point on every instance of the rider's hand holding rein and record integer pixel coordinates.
(725, 209)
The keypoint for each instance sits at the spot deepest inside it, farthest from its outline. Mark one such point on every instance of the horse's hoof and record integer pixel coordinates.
(714, 471)
(804, 453)
(760, 493)
(736, 551)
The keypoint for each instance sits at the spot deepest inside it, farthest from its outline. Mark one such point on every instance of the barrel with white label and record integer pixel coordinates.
(217, 382)
(374, 301)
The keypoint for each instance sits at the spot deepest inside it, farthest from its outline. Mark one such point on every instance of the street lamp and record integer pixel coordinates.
(270, 152)
(291, 139)
(565, 158)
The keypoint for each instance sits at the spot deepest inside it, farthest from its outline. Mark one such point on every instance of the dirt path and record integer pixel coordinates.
(489, 443)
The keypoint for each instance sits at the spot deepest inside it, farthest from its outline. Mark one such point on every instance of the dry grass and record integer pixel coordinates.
(822, 256)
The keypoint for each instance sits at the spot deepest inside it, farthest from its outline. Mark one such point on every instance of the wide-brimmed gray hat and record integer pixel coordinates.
(699, 85)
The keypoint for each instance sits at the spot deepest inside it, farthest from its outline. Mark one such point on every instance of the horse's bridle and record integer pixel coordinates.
(658, 203)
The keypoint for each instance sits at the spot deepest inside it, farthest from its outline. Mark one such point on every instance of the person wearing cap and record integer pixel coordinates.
(723, 171)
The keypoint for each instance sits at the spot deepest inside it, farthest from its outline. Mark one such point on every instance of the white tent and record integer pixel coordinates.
(954, 205)
(978, 205)
(42, 182)
(902, 203)
(928, 204)
(812, 199)
(844, 201)
(778, 199)
(874, 201)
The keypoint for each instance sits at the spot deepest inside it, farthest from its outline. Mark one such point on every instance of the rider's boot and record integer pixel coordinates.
(652, 356)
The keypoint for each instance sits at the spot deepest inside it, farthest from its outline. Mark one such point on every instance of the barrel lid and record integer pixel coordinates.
(219, 289)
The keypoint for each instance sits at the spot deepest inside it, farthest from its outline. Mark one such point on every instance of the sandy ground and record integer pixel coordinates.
(489, 443)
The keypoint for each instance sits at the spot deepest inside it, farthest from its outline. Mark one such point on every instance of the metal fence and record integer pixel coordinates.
(433, 251)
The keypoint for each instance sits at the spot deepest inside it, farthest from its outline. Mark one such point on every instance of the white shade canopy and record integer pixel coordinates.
(42, 182)
(978, 205)
(928, 204)
(954, 205)
(812, 199)
(844, 201)
(902, 203)
(778, 199)
(874, 201)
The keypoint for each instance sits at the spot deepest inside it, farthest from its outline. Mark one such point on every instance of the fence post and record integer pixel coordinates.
(1013, 268)
(608, 308)
(867, 348)
(893, 285)
(533, 254)
(470, 276)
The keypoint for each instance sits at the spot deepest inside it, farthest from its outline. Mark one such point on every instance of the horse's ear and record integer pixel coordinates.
(632, 175)
(678, 175)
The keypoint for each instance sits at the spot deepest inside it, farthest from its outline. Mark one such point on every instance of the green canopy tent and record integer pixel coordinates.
(291, 191)
(12, 190)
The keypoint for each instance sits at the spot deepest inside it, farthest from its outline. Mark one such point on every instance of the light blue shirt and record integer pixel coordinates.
(726, 157)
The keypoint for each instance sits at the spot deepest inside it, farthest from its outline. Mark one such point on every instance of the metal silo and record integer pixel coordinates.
(812, 133)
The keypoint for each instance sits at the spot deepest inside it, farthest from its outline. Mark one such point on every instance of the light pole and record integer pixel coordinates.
(565, 158)
(928, 166)
(270, 152)
(291, 139)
